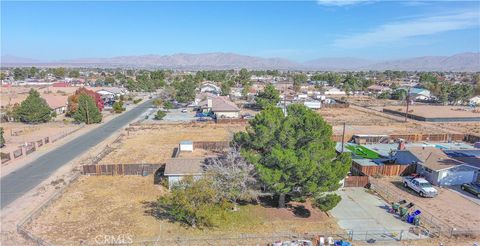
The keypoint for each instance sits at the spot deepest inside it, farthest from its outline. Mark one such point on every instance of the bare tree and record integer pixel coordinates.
(233, 177)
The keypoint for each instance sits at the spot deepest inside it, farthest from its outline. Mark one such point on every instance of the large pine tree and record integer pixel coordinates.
(293, 154)
(87, 110)
(33, 109)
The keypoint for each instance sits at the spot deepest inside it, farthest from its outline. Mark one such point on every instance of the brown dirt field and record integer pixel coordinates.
(156, 145)
(362, 122)
(370, 101)
(448, 206)
(350, 116)
(437, 111)
(116, 205)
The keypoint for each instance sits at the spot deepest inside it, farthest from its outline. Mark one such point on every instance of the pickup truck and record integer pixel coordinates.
(420, 185)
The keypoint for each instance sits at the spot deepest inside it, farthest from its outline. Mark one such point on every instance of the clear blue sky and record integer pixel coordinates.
(295, 30)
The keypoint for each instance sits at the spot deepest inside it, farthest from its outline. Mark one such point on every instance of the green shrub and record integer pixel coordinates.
(137, 100)
(118, 107)
(159, 115)
(2, 139)
(195, 203)
(327, 202)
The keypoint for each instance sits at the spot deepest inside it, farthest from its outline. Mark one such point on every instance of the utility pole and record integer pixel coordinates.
(343, 136)
(285, 100)
(88, 115)
(408, 102)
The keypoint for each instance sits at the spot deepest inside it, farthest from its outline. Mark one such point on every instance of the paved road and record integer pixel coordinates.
(26, 178)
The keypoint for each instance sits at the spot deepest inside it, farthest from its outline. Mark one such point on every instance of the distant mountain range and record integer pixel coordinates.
(468, 62)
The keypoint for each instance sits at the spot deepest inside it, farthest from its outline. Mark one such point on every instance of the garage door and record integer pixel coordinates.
(456, 177)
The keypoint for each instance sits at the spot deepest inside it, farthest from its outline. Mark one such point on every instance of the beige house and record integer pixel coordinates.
(220, 106)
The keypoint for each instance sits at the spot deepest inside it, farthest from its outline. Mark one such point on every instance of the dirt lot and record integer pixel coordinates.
(16, 133)
(92, 207)
(438, 111)
(156, 145)
(448, 206)
(364, 122)
(370, 101)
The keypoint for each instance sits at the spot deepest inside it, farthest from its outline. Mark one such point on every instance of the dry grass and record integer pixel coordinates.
(156, 145)
(122, 204)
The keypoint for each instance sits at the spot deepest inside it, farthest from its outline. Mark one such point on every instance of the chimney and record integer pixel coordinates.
(401, 145)
(209, 103)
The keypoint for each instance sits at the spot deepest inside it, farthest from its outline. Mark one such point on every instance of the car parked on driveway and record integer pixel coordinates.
(420, 185)
(472, 188)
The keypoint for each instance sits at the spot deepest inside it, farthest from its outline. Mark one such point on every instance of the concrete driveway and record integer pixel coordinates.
(177, 115)
(367, 217)
(467, 195)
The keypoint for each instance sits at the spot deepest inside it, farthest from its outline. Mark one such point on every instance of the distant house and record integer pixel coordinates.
(334, 91)
(60, 84)
(220, 106)
(474, 101)
(177, 169)
(378, 89)
(312, 104)
(210, 88)
(57, 103)
(111, 92)
(420, 94)
(438, 167)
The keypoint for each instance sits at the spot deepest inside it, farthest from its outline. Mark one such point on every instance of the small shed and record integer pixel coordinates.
(186, 146)
(178, 168)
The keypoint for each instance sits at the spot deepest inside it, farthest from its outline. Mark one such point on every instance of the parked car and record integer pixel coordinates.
(184, 110)
(293, 243)
(472, 188)
(248, 116)
(420, 185)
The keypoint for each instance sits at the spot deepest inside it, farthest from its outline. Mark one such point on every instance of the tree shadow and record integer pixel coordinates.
(152, 209)
(300, 211)
(400, 186)
(271, 201)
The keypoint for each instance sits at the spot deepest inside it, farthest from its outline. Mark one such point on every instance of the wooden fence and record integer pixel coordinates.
(211, 145)
(429, 137)
(419, 137)
(5, 157)
(121, 169)
(355, 181)
(472, 138)
(231, 121)
(336, 105)
(385, 170)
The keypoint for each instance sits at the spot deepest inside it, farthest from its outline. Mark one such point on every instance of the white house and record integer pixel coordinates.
(313, 104)
(420, 94)
(177, 169)
(210, 88)
(334, 91)
(438, 167)
(111, 92)
(474, 101)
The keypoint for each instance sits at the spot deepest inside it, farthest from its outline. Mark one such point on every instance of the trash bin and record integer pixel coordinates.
(395, 207)
(416, 221)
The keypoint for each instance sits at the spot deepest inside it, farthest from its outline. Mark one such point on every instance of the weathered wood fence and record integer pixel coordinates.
(211, 145)
(385, 170)
(418, 137)
(121, 169)
(355, 181)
